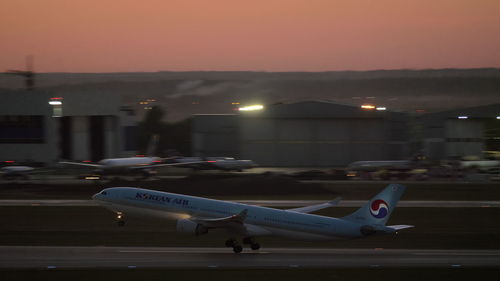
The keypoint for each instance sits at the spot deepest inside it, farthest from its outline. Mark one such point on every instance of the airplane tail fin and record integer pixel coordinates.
(152, 145)
(378, 210)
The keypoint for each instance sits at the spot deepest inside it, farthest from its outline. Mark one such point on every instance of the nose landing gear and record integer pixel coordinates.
(119, 217)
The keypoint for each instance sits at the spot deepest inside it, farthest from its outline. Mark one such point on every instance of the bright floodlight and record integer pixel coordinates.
(498, 117)
(251, 107)
(368, 106)
(463, 117)
(381, 108)
(54, 102)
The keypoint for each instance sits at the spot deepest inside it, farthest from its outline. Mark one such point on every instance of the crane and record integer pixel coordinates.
(29, 73)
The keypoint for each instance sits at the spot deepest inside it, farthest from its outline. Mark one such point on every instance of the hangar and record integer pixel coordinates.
(464, 132)
(304, 134)
(36, 126)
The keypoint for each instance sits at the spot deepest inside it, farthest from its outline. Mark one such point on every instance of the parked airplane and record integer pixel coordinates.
(197, 215)
(375, 165)
(17, 172)
(215, 163)
(127, 165)
(483, 165)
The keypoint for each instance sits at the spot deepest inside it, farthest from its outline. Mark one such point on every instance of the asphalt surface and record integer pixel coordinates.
(134, 257)
(273, 203)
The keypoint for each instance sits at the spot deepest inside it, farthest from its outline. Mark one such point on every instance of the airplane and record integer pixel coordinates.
(215, 163)
(483, 165)
(16, 172)
(198, 215)
(13, 171)
(229, 163)
(374, 165)
(143, 164)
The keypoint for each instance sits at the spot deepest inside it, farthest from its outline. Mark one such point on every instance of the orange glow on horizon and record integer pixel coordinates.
(270, 35)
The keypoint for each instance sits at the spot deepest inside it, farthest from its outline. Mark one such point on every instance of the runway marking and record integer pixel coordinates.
(456, 254)
(122, 257)
(155, 251)
(189, 252)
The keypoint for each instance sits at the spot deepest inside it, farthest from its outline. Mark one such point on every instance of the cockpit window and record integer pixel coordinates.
(104, 193)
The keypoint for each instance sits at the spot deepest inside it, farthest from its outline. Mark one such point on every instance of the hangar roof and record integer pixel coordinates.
(318, 109)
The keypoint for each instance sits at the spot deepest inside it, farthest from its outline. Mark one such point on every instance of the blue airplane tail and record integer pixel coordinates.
(378, 210)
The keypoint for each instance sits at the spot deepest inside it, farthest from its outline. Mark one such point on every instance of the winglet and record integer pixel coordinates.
(400, 226)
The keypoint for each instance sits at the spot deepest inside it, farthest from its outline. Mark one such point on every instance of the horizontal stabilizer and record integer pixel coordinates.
(400, 226)
(312, 208)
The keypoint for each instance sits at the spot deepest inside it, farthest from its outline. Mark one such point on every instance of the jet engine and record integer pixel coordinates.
(191, 227)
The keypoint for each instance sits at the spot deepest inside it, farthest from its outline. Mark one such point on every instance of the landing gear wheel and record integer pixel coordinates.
(230, 243)
(121, 223)
(237, 249)
(255, 246)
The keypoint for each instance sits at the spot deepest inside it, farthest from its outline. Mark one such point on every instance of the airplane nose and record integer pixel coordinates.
(94, 197)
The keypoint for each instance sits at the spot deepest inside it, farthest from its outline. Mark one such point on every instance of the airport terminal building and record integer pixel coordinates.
(304, 134)
(36, 126)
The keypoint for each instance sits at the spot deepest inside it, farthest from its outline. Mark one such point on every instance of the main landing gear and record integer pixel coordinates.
(237, 248)
(253, 245)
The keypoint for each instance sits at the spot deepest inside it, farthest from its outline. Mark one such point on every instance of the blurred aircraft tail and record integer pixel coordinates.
(153, 146)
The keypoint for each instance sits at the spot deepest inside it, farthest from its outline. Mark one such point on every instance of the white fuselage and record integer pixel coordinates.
(218, 163)
(226, 163)
(16, 169)
(259, 220)
(127, 162)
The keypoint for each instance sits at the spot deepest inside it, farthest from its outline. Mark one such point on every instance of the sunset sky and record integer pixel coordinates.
(268, 35)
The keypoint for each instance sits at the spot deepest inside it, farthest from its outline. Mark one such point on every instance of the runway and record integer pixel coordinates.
(273, 203)
(137, 257)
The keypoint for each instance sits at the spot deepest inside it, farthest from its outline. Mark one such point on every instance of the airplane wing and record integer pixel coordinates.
(234, 221)
(165, 164)
(400, 226)
(82, 164)
(312, 208)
